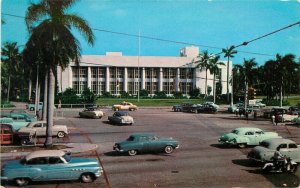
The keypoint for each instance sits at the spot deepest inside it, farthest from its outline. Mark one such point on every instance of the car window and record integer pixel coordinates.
(55, 160)
(259, 132)
(131, 138)
(235, 131)
(293, 146)
(37, 161)
(67, 157)
(249, 133)
(38, 125)
(282, 146)
(143, 138)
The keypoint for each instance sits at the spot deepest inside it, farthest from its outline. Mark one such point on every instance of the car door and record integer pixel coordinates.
(294, 151)
(37, 168)
(252, 138)
(152, 144)
(40, 129)
(57, 169)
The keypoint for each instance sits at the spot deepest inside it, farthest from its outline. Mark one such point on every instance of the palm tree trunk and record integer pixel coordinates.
(246, 95)
(228, 79)
(281, 92)
(45, 98)
(214, 86)
(51, 88)
(205, 83)
(8, 88)
(36, 108)
(29, 89)
(231, 100)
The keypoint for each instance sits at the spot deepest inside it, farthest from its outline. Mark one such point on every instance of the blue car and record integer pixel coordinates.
(48, 165)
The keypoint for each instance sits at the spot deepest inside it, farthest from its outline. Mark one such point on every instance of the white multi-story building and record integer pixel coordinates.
(116, 73)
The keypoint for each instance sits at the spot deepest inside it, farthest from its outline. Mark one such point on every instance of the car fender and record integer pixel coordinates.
(242, 140)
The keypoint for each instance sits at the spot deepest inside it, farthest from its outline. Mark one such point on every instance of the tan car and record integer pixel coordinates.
(124, 106)
(38, 129)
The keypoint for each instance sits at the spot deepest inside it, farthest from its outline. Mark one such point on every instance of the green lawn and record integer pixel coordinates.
(147, 102)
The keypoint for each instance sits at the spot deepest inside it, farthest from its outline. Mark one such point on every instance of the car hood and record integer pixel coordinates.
(228, 137)
(78, 161)
(127, 118)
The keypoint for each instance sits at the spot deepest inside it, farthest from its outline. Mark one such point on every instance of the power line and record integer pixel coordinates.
(157, 39)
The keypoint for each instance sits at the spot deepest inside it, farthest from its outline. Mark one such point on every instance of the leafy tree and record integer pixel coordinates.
(50, 28)
(209, 89)
(160, 95)
(229, 53)
(177, 94)
(144, 93)
(88, 96)
(195, 93)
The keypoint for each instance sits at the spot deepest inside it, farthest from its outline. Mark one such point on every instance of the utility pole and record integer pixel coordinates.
(139, 66)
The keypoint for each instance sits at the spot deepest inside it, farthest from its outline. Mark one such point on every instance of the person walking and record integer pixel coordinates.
(276, 118)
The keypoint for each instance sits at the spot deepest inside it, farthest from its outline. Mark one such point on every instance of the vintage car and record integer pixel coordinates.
(121, 118)
(146, 142)
(31, 106)
(16, 125)
(245, 136)
(91, 112)
(51, 165)
(38, 129)
(8, 136)
(211, 103)
(265, 151)
(233, 108)
(294, 110)
(177, 108)
(207, 108)
(20, 117)
(286, 117)
(124, 106)
(190, 107)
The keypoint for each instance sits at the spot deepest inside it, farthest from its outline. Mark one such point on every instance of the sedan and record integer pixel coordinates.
(91, 112)
(51, 165)
(146, 142)
(246, 136)
(121, 118)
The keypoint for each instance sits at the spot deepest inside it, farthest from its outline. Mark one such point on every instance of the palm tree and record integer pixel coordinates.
(11, 59)
(228, 52)
(50, 29)
(214, 68)
(203, 63)
(247, 71)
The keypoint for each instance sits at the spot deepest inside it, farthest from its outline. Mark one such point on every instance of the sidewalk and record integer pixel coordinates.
(70, 147)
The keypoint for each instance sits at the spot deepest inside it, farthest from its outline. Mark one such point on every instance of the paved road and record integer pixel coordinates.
(199, 162)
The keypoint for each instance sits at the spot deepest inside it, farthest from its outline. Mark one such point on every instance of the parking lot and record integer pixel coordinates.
(199, 162)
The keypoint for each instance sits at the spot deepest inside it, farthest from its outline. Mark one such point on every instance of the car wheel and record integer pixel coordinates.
(132, 152)
(168, 149)
(24, 141)
(21, 181)
(87, 177)
(61, 134)
(31, 109)
(242, 145)
(116, 109)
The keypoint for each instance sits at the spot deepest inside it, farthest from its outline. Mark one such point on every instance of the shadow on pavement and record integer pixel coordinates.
(246, 163)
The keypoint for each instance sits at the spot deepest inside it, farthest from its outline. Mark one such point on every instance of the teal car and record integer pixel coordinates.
(51, 165)
(16, 125)
(246, 136)
(146, 142)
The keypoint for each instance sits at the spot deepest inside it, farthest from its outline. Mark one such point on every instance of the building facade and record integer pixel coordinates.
(115, 73)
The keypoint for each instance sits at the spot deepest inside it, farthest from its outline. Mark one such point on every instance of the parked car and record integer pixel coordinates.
(91, 112)
(177, 108)
(207, 108)
(212, 104)
(245, 136)
(146, 142)
(16, 125)
(31, 106)
(121, 117)
(38, 129)
(124, 106)
(233, 108)
(265, 151)
(8, 135)
(259, 104)
(190, 107)
(275, 110)
(20, 117)
(294, 110)
(51, 165)
(286, 117)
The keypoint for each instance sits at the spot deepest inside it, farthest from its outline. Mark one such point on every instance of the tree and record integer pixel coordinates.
(228, 52)
(214, 68)
(50, 28)
(203, 63)
(12, 67)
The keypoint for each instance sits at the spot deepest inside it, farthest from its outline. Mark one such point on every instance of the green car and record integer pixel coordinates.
(146, 142)
(245, 136)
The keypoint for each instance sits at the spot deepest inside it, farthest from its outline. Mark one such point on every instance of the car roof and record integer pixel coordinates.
(277, 141)
(245, 129)
(45, 153)
(143, 134)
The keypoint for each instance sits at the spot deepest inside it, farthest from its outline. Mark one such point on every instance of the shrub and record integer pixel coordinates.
(160, 95)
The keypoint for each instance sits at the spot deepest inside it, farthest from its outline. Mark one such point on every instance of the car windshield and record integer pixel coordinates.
(235, 131)
(28, 125)
(264, 144)
(131, 138)
(67, 157)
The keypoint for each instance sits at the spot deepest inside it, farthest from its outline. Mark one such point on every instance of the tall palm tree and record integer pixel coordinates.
(214, 68)
(247, 71)
(229, 53)
(203, 64)
(50, 29)
(11, 59)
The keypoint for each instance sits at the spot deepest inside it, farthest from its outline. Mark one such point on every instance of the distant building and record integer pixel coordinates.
(116, 73)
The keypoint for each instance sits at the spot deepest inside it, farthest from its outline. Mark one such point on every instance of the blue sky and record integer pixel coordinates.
(213, 23)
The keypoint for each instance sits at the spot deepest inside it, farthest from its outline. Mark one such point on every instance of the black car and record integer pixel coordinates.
(207, 108)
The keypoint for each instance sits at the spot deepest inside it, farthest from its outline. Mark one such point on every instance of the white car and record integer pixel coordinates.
(38, 129)
(212, 103)
(91, 112)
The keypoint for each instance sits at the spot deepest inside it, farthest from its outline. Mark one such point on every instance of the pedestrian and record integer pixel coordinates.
(276, 118)
(59, 104)
(38, 115)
